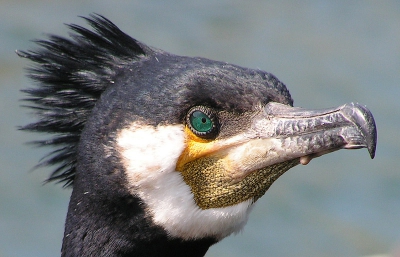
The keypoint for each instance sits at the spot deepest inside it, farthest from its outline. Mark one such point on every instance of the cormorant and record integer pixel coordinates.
(167, 154)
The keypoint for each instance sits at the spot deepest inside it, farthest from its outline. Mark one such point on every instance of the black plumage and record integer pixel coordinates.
(73, 74)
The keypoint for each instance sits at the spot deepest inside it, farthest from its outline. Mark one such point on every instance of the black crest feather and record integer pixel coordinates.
(71, 75)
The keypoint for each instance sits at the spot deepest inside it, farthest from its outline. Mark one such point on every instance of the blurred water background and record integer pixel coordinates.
(326, 52)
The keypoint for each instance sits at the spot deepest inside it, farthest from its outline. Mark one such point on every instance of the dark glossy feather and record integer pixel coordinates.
(71, 75)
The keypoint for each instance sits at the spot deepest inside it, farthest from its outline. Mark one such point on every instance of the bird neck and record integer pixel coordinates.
(109, 226)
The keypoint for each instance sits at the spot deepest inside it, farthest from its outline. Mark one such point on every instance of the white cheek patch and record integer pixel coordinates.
(149, 156)
(148, 150)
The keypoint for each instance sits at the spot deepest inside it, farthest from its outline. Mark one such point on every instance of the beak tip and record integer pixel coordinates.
(371, 152)
(371, 144)
(369, 130)
(364, 119)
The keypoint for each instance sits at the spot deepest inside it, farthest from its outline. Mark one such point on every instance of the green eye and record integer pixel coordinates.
(203, 122)
(200, 121)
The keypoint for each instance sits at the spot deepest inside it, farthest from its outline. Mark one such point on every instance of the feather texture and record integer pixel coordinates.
(71, 74)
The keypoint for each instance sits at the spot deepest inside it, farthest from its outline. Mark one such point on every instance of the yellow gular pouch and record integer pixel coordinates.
(204, 167)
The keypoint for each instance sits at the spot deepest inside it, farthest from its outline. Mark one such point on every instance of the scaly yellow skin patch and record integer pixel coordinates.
(205, 168)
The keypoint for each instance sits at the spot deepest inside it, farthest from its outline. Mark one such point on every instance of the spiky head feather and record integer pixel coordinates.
(71, 75)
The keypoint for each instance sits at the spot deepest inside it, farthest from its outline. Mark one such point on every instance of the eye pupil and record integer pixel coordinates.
(203, 120)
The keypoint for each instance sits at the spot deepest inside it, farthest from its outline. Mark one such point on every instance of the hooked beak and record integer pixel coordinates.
(291, 132)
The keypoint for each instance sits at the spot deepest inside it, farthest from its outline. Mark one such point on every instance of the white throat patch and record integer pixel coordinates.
(149, 156)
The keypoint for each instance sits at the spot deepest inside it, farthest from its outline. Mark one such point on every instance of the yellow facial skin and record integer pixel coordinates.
(219, 177)
(196, 147)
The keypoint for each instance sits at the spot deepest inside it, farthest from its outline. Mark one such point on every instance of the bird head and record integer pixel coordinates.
(197, 142)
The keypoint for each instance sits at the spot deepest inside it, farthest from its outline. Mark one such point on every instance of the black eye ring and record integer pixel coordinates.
(203, 122)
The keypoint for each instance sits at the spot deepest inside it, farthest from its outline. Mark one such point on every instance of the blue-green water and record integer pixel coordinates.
(326, 52)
